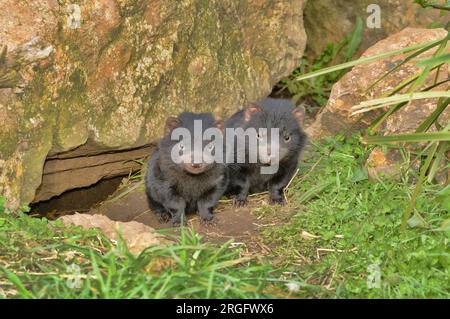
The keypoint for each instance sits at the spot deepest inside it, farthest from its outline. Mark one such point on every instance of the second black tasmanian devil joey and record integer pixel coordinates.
(174, 188)
(247, 177)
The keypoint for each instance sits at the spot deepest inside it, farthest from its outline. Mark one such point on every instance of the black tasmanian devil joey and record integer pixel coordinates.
(193, 181)
(277, 153)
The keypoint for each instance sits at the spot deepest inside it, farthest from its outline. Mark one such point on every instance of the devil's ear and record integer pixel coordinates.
(251, 110)
(219, 125)
(299, 115)
(171, 124)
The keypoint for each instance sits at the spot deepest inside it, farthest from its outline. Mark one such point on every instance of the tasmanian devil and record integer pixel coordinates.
(182, 175)
(280, 150)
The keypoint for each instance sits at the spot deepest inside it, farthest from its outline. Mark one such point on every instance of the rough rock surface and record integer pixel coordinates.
(350, 90)
(329, 21)
(137, 235)
(128, 65)
(85, 166)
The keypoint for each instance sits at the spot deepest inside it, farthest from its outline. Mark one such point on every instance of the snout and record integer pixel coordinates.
(195, 168)
(268, 158)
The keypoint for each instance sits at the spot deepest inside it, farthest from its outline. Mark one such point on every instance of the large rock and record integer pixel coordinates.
(114, 78)
(330, 21)
(86, 165)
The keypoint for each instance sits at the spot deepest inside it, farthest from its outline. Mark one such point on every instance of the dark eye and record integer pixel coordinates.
(181, 146)
(287, 138)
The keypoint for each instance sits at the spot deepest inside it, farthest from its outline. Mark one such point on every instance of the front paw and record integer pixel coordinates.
(164, 217)
(240, 202)
(277, 201)
(176, 220)
(209, 222)
(206, 217)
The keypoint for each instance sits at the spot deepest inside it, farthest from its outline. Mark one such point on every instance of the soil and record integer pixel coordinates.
(124, 201)
(237, 224)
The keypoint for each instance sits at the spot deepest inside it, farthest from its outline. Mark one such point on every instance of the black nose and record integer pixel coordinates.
(196, 165)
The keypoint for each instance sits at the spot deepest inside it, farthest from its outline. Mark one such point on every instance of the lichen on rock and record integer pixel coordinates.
(113, 77)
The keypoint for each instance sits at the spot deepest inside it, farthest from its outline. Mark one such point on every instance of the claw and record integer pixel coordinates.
(239, 202)
(209, 222)
(280, 201)
(164, 218)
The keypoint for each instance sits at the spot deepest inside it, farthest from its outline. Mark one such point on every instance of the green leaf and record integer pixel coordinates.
(436, 166)
(363, 61)
(314, 192)
(355, 40)
(417, 221)
(17, 283)
(360, 174)
(405, 60)
(443, 197)
(407, 138)
(370, 105)
(432, 118)
(378, 121)
(434, 60)
(421, 79)
(419, 185)
(445, 226)
(2, 204)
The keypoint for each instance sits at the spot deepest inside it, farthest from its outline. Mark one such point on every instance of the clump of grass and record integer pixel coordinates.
(47, 260)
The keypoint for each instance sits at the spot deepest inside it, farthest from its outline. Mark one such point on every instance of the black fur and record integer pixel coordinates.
(246, 178)
(172, 191)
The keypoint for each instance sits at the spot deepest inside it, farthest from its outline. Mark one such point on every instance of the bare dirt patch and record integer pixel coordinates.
(238, 224)
(127, 202)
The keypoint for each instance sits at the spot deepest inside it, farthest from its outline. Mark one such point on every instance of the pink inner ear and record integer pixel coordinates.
(251, 109)
(171, 123)
(219, 125)
(299, 114)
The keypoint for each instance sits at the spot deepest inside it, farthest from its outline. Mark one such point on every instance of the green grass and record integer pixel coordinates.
(355, 225)
(340, 226)
(43, 260)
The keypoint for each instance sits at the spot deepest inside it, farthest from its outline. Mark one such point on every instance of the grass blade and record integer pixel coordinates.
(386, 101)
(17, 283)
(363, 60)
(428, 68)
(419, 184)
(435, 60)
(355, 40)
(440, 153)
(408, 58)
(407, 138)
(425, 125)
(313, 192)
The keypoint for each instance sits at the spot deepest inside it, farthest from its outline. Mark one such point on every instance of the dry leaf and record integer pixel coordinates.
(307, 235)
